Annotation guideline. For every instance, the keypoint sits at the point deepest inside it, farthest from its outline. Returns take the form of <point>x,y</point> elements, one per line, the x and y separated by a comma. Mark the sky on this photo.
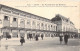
<point>48,8</point>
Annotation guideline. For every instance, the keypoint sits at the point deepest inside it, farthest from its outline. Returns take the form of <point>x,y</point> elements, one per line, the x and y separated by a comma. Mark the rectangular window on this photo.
<point>5,17</point>
<point>14,19</point>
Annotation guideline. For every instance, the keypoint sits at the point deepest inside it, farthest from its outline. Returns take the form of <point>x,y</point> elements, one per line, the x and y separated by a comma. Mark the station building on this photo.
<point>64,25</point>
<point>79,33</point>
<point>19,23</point>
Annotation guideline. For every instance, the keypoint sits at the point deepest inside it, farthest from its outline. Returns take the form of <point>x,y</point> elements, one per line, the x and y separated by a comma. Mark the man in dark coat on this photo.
<point>61,38</point>
<point>52,36</point>
<point>66,38</point>
<point>36,37</point>
<point>42,36</point>
<point>30,36</point>
<point>22,40</point>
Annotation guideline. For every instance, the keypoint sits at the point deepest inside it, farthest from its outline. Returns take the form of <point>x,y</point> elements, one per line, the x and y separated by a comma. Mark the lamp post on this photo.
<point>6,34</point>
<point>6,46</point>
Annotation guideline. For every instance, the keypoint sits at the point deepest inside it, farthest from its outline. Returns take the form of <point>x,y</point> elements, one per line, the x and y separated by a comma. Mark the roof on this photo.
<point>60,17</point>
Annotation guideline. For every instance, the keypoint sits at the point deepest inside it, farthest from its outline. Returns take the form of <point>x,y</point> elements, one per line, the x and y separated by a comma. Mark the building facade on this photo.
<point>18,23</point>
<point>64,25</point>
<point>79,33</point>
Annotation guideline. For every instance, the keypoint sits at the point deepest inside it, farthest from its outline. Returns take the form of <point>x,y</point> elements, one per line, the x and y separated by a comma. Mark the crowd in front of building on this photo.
<point>15,23</point>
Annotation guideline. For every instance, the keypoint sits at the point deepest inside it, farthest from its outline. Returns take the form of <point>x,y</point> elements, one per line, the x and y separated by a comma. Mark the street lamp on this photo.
<point>6,34</point>
<point>6,46</point>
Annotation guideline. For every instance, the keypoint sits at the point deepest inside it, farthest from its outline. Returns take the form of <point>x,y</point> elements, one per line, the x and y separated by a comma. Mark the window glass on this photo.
<point>14,19</point>
<point>5,17</point>
<point>51,25</point>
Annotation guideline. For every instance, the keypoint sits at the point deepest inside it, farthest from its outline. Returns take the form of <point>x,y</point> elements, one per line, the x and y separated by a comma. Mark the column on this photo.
<point>25,35</point>
<point>18,33</point>
<point>10,32</point>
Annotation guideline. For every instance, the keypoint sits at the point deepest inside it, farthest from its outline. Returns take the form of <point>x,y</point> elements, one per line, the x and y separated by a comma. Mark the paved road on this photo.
<point>48,44</point>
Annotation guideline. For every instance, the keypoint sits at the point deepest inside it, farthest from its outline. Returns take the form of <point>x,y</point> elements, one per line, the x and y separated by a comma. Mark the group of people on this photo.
<point>66,37</point>
<point>22,40</point>
<point>36,37</point>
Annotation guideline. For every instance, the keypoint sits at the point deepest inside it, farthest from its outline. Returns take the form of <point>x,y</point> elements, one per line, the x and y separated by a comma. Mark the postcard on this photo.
<point>39,25</point>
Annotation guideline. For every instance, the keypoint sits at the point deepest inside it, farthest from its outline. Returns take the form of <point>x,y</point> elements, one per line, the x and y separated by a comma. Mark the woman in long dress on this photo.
<point>22,40</point>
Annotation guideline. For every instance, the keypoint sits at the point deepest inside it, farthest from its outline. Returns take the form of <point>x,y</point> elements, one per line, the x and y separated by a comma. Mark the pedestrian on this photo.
<point>66,38</point>
<point>61,38</point>
<point>22,40</point>
<point>30,36</point>
<point>36,37</point>
<point>52,36</point>
<point>42,36</point>
<point>17,36</point>
<point>0,41</point>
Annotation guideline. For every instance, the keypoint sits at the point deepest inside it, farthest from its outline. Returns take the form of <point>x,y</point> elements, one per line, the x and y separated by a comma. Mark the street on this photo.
<point>48,44</point>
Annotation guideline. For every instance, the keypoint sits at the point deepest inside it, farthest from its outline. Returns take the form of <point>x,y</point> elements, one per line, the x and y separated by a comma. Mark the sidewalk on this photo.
<point>65,48</point>
<point>2,48</point>
<point>6,44</point>
<point>16,42</point>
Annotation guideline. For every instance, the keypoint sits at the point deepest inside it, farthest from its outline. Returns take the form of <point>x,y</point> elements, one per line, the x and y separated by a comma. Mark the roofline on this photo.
<point>23,11</point>
<point>61,16</point>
